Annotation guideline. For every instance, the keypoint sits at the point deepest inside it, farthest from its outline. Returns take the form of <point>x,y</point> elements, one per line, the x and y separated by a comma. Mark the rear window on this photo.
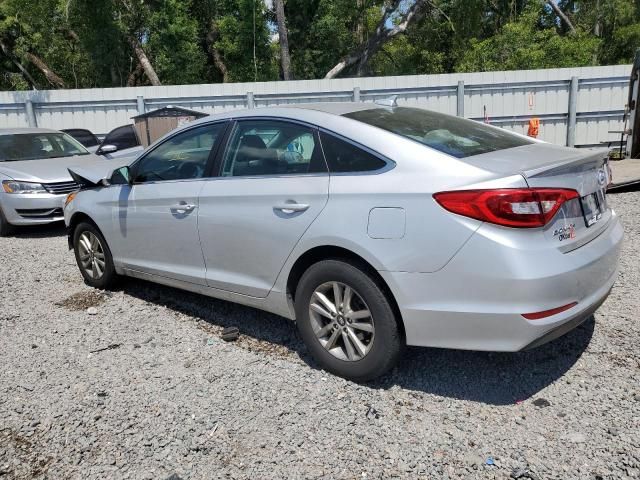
<point>85,137</point>
<point>122,137</point>
<point>454,136</point>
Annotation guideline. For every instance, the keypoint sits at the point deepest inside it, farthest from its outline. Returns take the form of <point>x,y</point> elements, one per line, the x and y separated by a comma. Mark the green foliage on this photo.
<point>321,32</point>
<point>89,43</point>
<point>173,38</point>
<point>246,51</point>
<point>525,44</point>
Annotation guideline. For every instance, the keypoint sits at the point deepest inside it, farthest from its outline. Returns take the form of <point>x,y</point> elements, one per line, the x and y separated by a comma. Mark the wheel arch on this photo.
<point>332,252</point>
<point>75,219</point>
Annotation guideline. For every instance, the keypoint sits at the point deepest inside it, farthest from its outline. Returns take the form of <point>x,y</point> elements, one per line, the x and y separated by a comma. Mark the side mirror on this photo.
<point>120,176</point>
<point>106,149</point>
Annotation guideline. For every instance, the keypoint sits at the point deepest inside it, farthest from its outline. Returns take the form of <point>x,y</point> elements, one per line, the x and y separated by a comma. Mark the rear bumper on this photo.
<point>476,302</point>
<point>34,209</point>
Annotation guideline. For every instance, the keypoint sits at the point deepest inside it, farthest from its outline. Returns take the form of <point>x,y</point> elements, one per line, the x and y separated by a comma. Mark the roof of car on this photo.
<point>335,108</point>
<point>319,113</point>
<point>18,131</point>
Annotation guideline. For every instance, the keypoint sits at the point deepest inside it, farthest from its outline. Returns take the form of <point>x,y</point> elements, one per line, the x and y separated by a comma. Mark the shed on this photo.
<point>152,125</point>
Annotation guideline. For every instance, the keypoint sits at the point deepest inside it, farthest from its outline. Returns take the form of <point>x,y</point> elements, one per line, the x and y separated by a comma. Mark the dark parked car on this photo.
<point>120,142</point>
<point>85,137</point>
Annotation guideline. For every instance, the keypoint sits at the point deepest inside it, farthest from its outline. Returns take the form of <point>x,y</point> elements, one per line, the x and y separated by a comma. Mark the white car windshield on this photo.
<point>38,146</point>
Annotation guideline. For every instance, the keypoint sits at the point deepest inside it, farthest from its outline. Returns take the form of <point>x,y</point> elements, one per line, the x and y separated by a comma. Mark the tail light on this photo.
<point>509,207</point>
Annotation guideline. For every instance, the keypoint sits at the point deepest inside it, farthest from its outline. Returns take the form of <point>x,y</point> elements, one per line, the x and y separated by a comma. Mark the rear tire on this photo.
<point>93,256</point>
<point>347,321</point>
<point>5,227</point>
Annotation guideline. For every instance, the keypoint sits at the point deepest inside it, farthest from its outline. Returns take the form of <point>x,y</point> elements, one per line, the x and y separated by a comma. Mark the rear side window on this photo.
<point>272,147</point>
<point>122,137</point>
<point>454,136</point>
<point>344,157</point>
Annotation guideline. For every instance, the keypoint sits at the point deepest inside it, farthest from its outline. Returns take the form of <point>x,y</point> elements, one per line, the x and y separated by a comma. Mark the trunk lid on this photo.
<point>549,166</point>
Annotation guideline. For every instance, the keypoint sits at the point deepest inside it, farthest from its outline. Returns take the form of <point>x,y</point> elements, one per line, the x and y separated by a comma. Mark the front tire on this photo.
<point>347,321</point>
<point>5,227</point>
<point>93,256</point>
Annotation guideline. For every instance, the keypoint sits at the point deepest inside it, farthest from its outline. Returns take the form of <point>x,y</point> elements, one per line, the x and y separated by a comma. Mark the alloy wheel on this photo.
<point>91,255</point>
<point>341,321</point>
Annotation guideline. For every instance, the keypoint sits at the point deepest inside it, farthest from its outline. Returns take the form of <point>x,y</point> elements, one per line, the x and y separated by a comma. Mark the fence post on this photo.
<point>31,114</point>
<point>356,94</point>
<point>140,103</point>
<point>251,103</point>
<point>573,104</point>
<point>460,97</point>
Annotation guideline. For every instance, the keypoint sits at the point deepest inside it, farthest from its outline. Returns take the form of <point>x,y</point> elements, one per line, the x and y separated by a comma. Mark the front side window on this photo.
<point>38,146</point>
<point>455,136</point>
<point>122,137</point>
<point>266,147</point>
<point>181,157</point>
<point>344,157</point>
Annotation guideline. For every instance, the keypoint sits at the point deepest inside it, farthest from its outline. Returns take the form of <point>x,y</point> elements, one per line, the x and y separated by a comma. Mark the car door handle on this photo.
<point>291,207</point>
<point>183,207</point>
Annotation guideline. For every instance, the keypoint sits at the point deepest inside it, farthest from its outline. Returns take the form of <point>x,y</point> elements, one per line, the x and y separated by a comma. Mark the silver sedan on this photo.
<point>34,180</point>
<point>372,226</point>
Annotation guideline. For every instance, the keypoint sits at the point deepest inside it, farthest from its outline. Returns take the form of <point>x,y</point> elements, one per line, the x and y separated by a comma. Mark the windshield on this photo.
<point>38,146</point>
<point>452,135</point>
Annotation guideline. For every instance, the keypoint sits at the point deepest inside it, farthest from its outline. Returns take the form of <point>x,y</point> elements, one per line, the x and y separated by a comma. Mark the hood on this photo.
<point>88,176</point>
<point>51,170</point>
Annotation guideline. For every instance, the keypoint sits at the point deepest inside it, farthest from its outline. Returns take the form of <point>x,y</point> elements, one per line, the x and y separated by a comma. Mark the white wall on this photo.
<point>511,99</point>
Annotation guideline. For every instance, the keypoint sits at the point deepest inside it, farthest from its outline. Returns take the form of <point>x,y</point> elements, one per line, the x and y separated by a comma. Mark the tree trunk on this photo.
<point>145,63</point>
<point>25,73</point>
<point>218,61</point>
<point>382,35</point>
<point>53,78</point>
<point>115,80</point>
<point>597,32</point>
<point>554,6</point>
<point>283,39</point>
<point>135,73</point>
<point>360,22</point>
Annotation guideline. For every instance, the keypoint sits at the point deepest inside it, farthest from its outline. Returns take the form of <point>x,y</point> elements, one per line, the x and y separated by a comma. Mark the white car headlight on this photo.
<point>12,186</point>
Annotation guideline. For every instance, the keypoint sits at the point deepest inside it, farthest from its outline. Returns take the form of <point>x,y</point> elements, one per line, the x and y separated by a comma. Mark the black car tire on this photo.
<point>109,276</point>
<point>5,227</point>
<point>388,341</point>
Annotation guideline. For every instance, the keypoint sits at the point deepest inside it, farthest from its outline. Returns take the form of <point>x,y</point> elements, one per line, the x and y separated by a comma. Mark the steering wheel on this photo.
<point>190,170</point>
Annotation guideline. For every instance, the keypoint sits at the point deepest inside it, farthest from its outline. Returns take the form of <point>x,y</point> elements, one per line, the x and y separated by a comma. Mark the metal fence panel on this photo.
<point>508,99</point>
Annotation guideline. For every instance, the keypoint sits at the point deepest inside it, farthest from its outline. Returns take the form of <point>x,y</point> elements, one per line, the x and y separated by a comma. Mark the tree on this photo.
<point>88,43</point>
<point>383,33</point>
<point>236,38</point>
<point>26,34</point>
<point>283,40</point>
<point>528,44</point>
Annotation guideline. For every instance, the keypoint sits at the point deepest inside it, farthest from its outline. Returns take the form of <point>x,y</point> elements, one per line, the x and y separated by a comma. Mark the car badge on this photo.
<point>602,177</point>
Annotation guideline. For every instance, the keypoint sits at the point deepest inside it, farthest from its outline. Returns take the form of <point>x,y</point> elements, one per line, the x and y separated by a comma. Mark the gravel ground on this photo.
<point>136,383</point>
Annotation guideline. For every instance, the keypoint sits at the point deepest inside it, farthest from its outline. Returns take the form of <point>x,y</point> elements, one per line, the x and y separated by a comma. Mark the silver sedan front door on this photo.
<point>156,218</point>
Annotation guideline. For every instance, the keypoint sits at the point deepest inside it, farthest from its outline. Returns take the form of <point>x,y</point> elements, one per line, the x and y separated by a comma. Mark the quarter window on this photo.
<point>343,157</point>
<point>265,147</point>
<point>181,157</point>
